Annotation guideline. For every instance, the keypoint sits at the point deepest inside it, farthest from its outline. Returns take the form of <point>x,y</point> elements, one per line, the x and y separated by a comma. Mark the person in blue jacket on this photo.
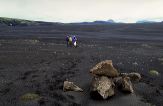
<point>67,40</point>
<point>74,40</point>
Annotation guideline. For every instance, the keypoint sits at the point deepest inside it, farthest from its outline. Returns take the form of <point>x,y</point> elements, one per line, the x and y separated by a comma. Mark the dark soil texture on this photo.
<point>35,59</point>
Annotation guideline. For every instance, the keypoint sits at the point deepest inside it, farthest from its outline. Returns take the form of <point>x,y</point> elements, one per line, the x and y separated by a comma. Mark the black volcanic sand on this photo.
<point>41,64</point>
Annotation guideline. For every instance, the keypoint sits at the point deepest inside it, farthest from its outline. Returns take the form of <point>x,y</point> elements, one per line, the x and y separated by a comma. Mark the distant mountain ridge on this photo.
<point>21,22</point>
<point>14,22</point>
<point>109,21</point>
<point>97,22</point>
<point>146,21</point>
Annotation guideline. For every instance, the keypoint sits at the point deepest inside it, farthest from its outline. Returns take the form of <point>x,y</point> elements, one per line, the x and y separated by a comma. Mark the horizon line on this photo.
<point>115,21</point>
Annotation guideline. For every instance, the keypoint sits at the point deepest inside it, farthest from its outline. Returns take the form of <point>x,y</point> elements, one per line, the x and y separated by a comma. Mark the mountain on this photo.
<point>146,21</point>
<point>21,22</point>
<point>104,22</point>
<point>111,21</point>
<point>15,22</point>
<point>96,22</point>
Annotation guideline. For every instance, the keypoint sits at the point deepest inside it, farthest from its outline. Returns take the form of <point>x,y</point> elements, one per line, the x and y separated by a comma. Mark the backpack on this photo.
<point>70,39</point>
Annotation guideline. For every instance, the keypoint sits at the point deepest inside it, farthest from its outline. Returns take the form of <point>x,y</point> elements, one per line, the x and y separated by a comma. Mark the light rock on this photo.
<point>127,85</point>
<point>70,86</point>
<point>104,68</point>
<point>103,86</point>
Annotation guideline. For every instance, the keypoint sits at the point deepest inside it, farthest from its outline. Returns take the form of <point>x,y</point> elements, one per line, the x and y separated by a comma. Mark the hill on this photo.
<point>15,22</point>
<point>146,21</point>
<point>97,22</point>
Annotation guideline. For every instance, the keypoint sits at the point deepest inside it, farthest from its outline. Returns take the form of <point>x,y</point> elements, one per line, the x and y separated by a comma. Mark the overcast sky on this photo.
<point>82,10</point>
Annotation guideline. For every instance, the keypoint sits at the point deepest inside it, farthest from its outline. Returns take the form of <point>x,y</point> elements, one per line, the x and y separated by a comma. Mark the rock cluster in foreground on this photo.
<point>106,79</point>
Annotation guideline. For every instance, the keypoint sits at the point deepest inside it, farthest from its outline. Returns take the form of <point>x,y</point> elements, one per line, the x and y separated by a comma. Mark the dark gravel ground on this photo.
<point>40,64</point>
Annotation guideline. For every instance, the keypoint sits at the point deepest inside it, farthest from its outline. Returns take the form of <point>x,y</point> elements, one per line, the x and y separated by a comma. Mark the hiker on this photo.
<point>67,40</point>
<point>74,41</point>
<point>70,41</point>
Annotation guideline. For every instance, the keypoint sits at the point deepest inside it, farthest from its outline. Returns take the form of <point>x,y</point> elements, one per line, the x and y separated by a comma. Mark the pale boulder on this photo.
<point>103,85</point>
<point>104,68</point>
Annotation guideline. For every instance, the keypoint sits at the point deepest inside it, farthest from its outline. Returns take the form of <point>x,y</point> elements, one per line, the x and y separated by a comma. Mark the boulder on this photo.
<point>70,86</point>
<point>127,85</point>
<point>103,86</point>
<point>133,76</point>
<point>104,68</point>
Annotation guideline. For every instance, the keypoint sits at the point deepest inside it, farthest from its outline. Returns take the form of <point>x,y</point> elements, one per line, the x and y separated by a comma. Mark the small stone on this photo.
<point>70,86</point>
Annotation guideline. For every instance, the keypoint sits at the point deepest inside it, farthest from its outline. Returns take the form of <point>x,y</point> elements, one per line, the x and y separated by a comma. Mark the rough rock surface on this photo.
<point>70,86</point>
<point>103,85</point>
<point>127,85</point>
<point>133,76</point>
<point>118,81</point>
<point>105,68</point>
